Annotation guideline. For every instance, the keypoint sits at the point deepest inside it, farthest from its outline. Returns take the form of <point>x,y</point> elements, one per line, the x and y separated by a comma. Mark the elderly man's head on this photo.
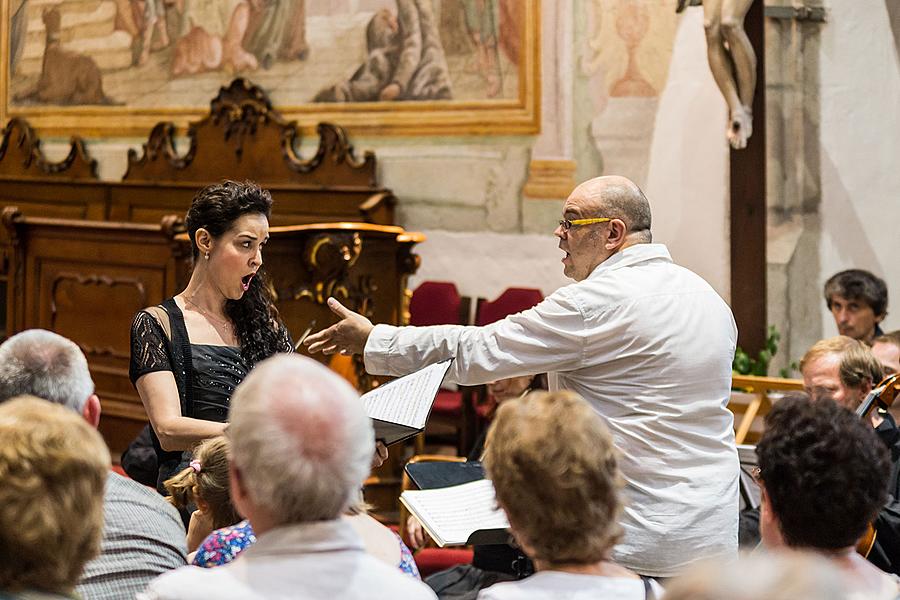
<point>53,467</point>
<point>47,365</point>
<point>858,302</point>
<point>301,443</point>
<point>840,368</point>
<point>601,216</point>
<point>553,465</point>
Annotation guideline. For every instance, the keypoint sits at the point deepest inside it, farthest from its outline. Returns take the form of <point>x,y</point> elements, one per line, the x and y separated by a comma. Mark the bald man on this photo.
<point>648,343</point>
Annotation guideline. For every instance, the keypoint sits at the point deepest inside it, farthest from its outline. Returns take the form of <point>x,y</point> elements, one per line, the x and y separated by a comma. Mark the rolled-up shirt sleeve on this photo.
<point>548,337</point>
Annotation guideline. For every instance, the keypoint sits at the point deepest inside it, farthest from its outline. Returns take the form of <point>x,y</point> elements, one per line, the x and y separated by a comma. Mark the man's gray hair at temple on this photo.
<point>47,365</point>
<point>301,441</point>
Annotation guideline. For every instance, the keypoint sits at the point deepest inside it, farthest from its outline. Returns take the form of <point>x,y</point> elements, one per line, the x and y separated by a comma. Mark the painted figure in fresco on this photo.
<point>216,30</point>
<point>481,24</point>
<point>732,62</point>
<point>66,77</point>
<point>154,19</point>
<point>18,28</point>
<point>405,59</point>
<point>277,31</point>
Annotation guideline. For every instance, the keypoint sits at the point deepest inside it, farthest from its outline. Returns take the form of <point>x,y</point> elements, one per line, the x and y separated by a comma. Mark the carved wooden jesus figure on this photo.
<point>731,60</point>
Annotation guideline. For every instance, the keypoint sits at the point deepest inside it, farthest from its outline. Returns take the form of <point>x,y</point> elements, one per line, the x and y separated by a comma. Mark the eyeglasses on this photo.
<point>567,224</point>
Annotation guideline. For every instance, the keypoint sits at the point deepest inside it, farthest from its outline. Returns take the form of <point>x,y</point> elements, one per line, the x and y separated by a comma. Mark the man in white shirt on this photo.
<point>301,446</point>
<point>648,343</point>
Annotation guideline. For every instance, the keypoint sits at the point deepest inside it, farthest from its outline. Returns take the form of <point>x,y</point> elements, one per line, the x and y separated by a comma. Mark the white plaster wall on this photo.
<point>860,148</point>
<point>501,261</point>
<point>687,174</point>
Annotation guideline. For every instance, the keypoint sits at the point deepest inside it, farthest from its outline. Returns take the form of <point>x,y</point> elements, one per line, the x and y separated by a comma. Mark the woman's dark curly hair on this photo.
<point>825,472</point>
<point>256,321</point>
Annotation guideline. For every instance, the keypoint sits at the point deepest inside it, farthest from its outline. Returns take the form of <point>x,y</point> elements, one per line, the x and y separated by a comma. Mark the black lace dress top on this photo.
<point>206,375</point>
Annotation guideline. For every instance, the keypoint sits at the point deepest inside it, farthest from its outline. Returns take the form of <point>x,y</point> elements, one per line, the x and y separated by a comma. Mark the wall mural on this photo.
<point>404,66</point>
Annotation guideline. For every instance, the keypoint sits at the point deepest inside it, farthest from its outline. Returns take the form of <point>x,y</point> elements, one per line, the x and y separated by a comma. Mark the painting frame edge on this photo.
<point>520,116</point>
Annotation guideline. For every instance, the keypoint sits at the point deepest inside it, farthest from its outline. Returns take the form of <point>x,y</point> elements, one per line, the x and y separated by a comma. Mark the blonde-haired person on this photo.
<point>554,467</point>
<point>761,576</point>
<point>204,484</point>
<point>53,467</point>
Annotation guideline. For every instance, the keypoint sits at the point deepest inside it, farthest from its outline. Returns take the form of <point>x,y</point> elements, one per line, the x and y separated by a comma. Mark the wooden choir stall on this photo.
<point>81,256</point>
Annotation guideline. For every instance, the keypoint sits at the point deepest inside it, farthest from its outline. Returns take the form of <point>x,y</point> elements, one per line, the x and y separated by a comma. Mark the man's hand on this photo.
<point>381,454</point>
<point>347,336</point>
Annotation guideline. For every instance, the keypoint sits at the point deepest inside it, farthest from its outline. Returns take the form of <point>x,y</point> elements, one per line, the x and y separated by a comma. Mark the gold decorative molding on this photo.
<point>550,179</point>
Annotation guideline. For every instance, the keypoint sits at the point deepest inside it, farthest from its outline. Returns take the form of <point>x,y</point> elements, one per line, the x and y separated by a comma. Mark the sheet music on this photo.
<point>452,514</point>
<point>407,400</point>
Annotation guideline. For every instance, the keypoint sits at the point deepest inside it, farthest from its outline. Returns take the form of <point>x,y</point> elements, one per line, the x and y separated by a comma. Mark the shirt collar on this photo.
<point>305,538</point>
<point>631,256</point>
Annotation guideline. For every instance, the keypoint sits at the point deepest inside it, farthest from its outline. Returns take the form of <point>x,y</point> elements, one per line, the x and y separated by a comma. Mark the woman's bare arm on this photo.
<point>159,393</point>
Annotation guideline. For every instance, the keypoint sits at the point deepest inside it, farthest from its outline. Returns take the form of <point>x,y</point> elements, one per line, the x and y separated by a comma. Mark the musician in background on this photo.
<point>858,302</point>
<point>845,370</point>
<point>822,476</point>
<point>886,349</point>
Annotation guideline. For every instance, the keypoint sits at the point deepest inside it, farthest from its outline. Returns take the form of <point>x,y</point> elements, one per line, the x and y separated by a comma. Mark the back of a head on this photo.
<point>206,481</point>
<point>47,365</point>
<point>617,197</point>
<point>818,458</point>
<point>553,465</point>
<point>858,284</point>
<point>300,439</point>
<point>857,363</point>
<point>53,467</point>
<point>761,576</point>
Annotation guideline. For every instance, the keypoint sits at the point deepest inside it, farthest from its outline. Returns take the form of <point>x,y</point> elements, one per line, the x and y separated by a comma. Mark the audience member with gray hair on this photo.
<point>142,534</point>
<point>301,448</point>
<point>49,366</point>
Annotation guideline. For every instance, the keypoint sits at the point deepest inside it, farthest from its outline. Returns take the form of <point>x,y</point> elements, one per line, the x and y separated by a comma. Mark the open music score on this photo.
<point>464,514</point>
<point>399,409</point>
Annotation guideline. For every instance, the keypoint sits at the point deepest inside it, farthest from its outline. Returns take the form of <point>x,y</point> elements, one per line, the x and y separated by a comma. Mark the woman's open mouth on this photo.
<point>246,279</point>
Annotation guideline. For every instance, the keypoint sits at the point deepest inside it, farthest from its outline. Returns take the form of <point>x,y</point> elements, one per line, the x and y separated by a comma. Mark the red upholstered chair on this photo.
<point>510,302</point>
<point>439,303</point>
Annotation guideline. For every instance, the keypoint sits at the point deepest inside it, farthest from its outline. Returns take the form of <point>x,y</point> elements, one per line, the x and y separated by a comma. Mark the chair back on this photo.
<point>751,400</point>
<point>438,303</point>
<point>510,302</point>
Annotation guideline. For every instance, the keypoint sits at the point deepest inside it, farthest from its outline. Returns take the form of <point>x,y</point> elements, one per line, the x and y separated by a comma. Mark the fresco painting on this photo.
<point>173,55</point>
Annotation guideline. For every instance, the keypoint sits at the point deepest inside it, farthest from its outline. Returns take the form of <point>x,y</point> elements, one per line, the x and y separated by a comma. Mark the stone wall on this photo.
<point>834,138</point>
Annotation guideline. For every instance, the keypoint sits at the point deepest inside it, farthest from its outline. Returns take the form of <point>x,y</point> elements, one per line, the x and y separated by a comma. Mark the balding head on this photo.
<point>621,216</point>
<point>620,198</point>
<point>301,440</point>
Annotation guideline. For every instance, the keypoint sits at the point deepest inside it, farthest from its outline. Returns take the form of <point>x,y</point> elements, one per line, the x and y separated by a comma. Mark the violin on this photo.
<point>882,396</point>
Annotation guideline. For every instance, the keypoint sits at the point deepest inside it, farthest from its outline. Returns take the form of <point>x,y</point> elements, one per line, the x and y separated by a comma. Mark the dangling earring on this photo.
<point>207,256</point>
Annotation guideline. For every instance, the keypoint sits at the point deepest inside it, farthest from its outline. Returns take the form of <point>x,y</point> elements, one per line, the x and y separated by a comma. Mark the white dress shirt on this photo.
<point>324,560</point>
<point>649,344</point>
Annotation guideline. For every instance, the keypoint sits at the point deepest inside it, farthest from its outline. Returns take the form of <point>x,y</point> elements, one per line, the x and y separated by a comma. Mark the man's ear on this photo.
<point>91,411</point>
<point>616,237</point>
